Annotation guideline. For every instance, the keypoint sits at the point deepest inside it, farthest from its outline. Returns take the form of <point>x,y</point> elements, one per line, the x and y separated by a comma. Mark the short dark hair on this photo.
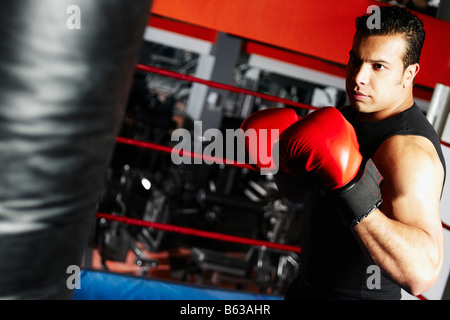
<point>397,20</point>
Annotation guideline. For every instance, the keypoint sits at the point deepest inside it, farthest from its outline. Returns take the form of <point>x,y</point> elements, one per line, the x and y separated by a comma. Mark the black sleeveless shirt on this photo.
<point>332,262</point>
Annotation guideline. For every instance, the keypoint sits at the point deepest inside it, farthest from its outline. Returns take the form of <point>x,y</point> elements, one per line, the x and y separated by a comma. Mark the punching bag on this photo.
<point>66,68</point>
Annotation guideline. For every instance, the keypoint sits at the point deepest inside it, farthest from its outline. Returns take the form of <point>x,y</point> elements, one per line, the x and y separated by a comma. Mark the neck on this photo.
<point>387,112</point>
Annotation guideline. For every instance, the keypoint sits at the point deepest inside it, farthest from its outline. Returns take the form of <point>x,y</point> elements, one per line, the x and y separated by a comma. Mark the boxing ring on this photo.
<point>63,89</point>
<point>125,287</point>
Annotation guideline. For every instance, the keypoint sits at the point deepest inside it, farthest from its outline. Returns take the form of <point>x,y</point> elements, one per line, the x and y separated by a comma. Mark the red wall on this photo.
<point>322,29</point>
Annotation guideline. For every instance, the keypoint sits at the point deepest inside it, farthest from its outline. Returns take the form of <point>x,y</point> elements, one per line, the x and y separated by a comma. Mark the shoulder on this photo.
<point>413,148</point>
<point>410,161</point>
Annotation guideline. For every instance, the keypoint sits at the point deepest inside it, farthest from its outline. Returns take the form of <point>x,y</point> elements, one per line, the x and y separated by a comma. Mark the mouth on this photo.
<point>357,95</point>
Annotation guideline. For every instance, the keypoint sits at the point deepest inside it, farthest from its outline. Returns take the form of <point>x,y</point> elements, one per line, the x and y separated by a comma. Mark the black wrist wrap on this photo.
<point>360,197</point>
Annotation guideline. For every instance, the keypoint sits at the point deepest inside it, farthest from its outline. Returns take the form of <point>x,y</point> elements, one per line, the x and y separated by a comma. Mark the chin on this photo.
<point>357,106</point>
<point>362,107</point>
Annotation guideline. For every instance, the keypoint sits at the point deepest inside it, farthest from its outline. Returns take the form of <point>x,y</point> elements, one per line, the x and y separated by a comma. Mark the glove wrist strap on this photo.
<point>360,197</point>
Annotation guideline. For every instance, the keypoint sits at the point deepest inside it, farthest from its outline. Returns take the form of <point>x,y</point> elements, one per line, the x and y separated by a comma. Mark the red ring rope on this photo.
<point>445,143</point>
<point>445,226</point>
<point>197,233</point>
<point>154,146</point>
<point>219,85</point>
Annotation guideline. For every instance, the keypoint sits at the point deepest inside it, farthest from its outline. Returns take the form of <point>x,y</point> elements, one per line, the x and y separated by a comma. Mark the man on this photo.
<point>371,217</point>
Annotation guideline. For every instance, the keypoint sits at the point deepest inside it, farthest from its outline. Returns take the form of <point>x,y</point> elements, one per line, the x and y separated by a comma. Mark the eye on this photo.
<point>378,66</point>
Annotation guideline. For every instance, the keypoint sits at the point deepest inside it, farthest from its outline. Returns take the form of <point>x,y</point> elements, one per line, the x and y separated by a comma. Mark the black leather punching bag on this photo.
<point>63,87</point>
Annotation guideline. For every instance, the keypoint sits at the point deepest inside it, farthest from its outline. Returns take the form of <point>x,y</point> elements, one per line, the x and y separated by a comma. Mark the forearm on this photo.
<point>407,254</point>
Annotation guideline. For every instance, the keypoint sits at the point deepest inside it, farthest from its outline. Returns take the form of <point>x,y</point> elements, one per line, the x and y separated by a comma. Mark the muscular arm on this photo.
<point>404,236</point>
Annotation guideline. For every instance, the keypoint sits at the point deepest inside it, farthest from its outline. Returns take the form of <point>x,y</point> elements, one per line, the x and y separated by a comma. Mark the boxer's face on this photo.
<point>377,83</point>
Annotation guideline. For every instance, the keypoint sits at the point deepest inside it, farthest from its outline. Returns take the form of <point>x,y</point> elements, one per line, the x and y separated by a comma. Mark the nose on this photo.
<point>361,74</point>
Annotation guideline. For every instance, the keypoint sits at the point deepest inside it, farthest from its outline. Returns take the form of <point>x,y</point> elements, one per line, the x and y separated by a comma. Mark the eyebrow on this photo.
<point>370,60</point>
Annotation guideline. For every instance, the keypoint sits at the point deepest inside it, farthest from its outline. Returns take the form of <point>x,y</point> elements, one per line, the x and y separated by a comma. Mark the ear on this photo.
<point>409,74</point>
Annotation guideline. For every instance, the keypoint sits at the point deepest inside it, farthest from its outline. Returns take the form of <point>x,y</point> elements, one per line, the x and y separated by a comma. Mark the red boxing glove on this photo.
<point>261,131</point>
<point>325,145</point>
